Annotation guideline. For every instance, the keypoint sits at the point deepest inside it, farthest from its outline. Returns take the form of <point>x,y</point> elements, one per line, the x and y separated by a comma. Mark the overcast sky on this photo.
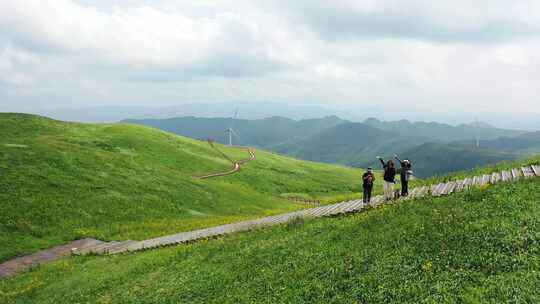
<point>422,56</point>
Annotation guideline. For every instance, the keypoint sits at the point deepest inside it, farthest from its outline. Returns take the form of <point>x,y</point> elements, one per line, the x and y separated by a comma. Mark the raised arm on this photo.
<point>381,160</point>
<point>399,160</point>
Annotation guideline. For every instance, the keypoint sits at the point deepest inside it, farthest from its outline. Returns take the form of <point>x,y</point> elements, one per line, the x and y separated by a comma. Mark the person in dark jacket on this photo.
<point>389,178</point>
<point>368,180</point>
<point>405,174</point>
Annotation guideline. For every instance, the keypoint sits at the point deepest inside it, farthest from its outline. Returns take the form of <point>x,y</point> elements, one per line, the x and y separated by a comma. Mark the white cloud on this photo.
<point>420,55</point>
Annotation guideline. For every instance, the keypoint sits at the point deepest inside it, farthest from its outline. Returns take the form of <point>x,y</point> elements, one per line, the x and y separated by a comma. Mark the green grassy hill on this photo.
<point>62,181</point>
<point>478,246</point>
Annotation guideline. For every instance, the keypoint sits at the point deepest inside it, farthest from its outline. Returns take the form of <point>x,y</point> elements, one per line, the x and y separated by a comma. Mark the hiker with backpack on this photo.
<point>389,178</point>
<point>368,181</point>
<point>405,174</point>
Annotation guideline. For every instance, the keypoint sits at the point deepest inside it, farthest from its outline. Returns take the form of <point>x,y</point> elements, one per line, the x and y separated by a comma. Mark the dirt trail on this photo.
<point>236,164</point>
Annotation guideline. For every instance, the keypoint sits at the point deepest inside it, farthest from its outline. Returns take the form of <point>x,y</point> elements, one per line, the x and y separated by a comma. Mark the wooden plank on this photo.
<point>451,188</point>
<point>441,188</point>
<point>333,209</point>
<point>349,207</point>
<point>121,247</point>
<point>134,247</point>
<point>94,249</point>
<point>435,191</point>
<point>467,183</point>
<point>319,211</point>
<point>459,185</point>
<point>536,170</point>
<point>527,172</point>
<point>432,189</point>
<point>81,250</point>
<point>312,211</point>
<point>103,248</point>
<point>357,206</point>
<point>340,208</point>
<point>516,173</point>
<point>444,189</point>
<point>506,176</point>
<point>495,177</point>
<point>479,180</point>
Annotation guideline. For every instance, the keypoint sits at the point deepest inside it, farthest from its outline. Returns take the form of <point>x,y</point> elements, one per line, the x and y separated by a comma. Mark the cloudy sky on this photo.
<point>418,56</point>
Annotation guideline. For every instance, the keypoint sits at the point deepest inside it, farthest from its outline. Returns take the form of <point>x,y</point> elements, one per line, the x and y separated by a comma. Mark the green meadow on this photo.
<point>63,181</point>
<point>479,246</point>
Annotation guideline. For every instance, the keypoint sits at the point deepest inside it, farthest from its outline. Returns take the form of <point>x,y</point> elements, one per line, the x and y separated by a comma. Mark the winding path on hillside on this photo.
<point>90,246</point>
<point>236,163</point>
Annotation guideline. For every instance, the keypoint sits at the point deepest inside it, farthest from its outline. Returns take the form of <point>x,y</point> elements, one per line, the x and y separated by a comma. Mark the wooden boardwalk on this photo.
<point>328,210</point>
<point>90,246</point>
<point>17,264</point>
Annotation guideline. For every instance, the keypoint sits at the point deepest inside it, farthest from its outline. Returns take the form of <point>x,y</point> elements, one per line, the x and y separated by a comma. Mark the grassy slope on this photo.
<point>62,181</point>
<point>478,246</point>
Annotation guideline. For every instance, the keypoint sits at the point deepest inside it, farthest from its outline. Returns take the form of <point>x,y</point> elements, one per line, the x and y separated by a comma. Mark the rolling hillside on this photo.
<point>265,133</point>
<point>349,144</point>
<point>441,132</point>
<point>63,181</point>
<point>477,246</point>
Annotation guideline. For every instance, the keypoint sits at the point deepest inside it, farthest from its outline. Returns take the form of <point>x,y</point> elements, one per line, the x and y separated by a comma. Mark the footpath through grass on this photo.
<point>478,246</point>
<point>63,181</point>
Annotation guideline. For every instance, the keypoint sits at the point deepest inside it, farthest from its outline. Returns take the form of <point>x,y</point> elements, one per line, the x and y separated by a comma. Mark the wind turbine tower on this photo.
<point>476,133</point>
<point>230,129</point>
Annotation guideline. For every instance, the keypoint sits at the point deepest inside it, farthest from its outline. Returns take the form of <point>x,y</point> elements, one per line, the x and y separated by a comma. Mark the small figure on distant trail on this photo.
<point>389,178</point>
<point>405,173</point>
<point>368,180</point>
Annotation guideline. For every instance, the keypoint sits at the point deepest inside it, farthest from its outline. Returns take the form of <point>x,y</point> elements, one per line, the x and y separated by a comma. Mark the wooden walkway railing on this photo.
<point>328,210</point>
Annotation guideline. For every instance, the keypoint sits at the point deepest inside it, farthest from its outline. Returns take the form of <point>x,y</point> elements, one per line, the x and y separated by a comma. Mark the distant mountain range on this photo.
<point>442,132</point>
<point>435,148</point>
<point>268,133</point>
<point>259,110</point>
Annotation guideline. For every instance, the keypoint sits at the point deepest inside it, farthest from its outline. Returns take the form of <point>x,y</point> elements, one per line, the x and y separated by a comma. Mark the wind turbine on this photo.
<point>230,129</point>
<point>476,138</point>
